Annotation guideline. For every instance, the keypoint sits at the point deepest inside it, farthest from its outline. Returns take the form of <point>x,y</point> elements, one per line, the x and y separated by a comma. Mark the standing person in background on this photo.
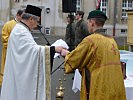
<point>70,32</point>
<point>98,59</point>
<point>6,30</point>
<point>27,67</point>
<point>81,30</point>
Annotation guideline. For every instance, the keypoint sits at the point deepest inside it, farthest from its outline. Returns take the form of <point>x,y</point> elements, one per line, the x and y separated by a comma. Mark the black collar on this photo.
<point>102,32</point>
<point>25,25</point>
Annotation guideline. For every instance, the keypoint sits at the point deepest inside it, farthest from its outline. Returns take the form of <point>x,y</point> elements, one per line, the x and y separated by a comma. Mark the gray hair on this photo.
<point>20,12</point>
<point>26,16</point>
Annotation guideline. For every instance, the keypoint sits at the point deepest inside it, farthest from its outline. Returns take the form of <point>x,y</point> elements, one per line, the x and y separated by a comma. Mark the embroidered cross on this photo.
<point>114,49</point>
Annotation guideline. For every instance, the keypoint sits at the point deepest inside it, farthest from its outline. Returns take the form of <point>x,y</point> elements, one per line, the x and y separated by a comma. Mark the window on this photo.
<point>105,31</point>
<point>126,5</point>
<point>103,6</point>
<point>123,31</point>
<point>16,0</point>
<point>78,6</point>
<point>47,31</point>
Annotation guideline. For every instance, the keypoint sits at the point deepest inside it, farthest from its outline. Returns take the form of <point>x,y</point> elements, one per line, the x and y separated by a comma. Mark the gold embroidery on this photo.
<point>47,72</point>
<point>38,71</point>
<point>114,49</point>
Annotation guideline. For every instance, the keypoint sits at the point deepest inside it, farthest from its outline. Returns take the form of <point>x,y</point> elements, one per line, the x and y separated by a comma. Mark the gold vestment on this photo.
<point>101,56</point>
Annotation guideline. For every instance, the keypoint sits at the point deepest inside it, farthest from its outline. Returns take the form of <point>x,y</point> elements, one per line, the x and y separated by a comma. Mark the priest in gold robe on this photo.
<point>98,59</point>
<point>6,30</point>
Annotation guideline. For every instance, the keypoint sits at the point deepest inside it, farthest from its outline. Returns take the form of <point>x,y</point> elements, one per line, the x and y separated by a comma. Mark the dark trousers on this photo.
<point>0,90</point>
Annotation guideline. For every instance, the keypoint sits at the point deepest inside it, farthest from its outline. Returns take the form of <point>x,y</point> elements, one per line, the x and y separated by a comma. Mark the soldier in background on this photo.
<point>81,30</point>
<point>70,32</point>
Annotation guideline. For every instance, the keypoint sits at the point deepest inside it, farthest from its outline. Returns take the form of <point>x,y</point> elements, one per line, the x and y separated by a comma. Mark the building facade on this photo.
<point>54,21</point>
<point>4,12</point>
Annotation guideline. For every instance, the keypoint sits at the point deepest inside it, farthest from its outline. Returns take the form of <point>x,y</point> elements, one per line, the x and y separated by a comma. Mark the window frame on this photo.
<point>126,5</point>
<point>104,5</point>
<point>78,5</point>
<point>124,31</point>
<point>17,0</point>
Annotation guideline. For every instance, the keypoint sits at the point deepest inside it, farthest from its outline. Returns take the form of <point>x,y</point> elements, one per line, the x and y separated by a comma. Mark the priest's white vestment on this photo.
<point>27,68</point>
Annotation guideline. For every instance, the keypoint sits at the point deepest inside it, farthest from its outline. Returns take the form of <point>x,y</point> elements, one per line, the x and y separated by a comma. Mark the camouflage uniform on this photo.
<point>81,31</point>
<point>70,35</point>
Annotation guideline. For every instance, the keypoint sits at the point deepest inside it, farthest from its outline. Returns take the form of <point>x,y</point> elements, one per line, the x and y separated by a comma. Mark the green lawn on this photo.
<point>123,47</point>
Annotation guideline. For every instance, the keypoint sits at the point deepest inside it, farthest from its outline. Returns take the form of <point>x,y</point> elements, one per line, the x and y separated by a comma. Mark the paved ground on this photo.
<point>67,80</point>
<point>59,74</point>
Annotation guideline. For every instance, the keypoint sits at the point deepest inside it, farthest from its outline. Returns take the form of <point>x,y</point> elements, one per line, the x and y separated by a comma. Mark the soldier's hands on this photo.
<point>61,50</point>
<point>64,52</point>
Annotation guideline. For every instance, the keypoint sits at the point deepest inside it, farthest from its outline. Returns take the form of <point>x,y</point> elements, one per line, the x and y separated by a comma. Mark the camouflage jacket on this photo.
<point>70,35</point>
<point>81,31</point>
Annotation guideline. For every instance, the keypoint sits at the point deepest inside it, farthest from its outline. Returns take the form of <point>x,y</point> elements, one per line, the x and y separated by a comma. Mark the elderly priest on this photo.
<point>27,66</point>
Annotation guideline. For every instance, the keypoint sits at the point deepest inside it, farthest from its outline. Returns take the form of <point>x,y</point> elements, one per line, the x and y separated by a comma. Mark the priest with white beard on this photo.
<point>27,66</point>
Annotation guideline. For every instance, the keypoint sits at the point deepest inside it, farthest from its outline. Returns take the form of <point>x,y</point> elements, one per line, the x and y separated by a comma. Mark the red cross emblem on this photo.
<point>114,49</point>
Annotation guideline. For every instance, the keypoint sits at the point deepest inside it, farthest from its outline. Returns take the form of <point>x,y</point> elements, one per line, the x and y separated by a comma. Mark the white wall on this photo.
<point>4,11</point>
<point>54,19</point>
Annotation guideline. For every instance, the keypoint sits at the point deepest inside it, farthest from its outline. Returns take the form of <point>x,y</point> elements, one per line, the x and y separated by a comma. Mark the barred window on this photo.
<point>78,6</point>
<point>47,31</point>
<point>123,31</point>
<point>105,31</point>
<point>17,0</point>
<point>126,5</point>
<point>103,6</point>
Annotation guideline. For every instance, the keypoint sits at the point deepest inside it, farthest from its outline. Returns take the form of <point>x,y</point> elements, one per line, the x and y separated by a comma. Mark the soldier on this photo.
<point>81,28</point>
<point>70,32</point>
<point>98,59</point>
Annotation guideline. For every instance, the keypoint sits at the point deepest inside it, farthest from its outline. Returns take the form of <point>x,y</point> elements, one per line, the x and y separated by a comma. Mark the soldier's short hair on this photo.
<point>80,13</point>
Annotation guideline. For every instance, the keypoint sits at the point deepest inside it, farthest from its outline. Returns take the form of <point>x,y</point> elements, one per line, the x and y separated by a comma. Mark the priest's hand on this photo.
<point>64,52</point>
<point>58,49</point>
